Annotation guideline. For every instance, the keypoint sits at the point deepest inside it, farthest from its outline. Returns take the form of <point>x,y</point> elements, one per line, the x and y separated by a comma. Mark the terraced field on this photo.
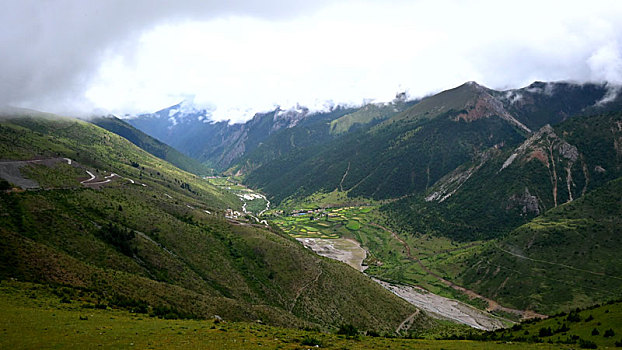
<point>351,235</point>
<point>324,223</point>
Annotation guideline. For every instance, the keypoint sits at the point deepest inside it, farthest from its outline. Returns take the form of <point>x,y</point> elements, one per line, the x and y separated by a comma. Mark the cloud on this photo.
<point>606,63</point>
<point>241,57</point>
<point>51,49</point>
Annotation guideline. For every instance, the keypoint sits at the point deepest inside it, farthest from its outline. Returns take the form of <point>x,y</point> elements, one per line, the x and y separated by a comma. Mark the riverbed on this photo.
<point>350,252</point>
<point>345,250</point>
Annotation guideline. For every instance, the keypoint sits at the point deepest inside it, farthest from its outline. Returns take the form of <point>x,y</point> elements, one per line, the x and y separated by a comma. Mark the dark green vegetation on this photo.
<point>589,328</point>
<point>221,144</point>
<point>152,238</point>
<point>151,145</point>
<point>568,257</point>
<point>503,189</point>
<point>473,164</point>
<point>408,153</point>
<point>385,163</point>
<point>36,316</point>
<point>265,137</point>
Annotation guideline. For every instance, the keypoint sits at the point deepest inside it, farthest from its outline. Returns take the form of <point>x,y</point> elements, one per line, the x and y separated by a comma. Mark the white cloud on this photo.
<point>606,63</point>
<point>241,60</point>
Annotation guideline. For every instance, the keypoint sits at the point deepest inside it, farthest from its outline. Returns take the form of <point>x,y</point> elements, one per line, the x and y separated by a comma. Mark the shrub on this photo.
<point>373,334</point>
<point>310,341</point>
<point>5,185</point>
<point>348,330</point>
<point>587,344</point>
<point>573,317</point>
<point>545,332</point>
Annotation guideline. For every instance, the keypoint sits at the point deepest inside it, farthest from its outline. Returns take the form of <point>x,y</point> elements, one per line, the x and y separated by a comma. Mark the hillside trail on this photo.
<point>407,323</point>
<point>492,305</point>
<point>304,287</point>
<point>344,177</point>
<point>556,264</point>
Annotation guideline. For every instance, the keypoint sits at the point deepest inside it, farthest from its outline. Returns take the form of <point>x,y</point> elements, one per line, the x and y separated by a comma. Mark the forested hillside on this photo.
<point>104,222</point>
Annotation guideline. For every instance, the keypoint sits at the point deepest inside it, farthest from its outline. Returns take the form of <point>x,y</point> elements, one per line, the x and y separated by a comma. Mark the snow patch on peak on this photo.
<point>290,117</point>
<point>173,111</point>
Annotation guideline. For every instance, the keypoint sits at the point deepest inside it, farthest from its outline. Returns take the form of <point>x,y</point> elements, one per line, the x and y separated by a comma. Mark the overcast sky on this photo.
<point>236,58</point>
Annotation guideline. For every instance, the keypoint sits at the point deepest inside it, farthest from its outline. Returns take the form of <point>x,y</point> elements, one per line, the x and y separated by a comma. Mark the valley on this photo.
<point>477,217</point>
<point>311,175</point>
<point>336,233</point>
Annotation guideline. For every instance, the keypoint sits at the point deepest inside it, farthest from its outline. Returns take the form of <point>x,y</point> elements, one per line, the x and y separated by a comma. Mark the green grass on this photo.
<point>366,115</point>
<point>152,145</point>
<point>156,245</point>
<point>353,225</point>
<point>387,258</point>
<point>567,258</point>
<point>33,316</point>
<point>571,327</point>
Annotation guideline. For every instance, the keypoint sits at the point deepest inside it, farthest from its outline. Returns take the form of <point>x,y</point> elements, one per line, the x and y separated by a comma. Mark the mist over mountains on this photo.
<point>243,174</point>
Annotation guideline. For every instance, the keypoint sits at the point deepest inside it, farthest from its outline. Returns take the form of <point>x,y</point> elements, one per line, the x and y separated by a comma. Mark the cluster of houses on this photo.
<point>303,212</point>
<point>316,214</point>
<point>232,214</point>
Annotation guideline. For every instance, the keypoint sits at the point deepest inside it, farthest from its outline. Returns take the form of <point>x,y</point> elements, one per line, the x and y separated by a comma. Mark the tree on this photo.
<point>348,330</point>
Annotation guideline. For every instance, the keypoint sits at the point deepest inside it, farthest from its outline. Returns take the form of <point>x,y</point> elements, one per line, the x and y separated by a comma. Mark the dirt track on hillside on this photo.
<point>492,305</point>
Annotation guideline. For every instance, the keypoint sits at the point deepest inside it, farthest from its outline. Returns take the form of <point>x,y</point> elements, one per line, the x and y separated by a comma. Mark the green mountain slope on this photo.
<point>589,328</point>
<point>407,153</point>
<point>370,113</point>
<point>119,227</point>
<point>400,156</point>
<point>566,258</point>
<point>35,316</point>
<point>503,189</point>
<point>310,132</point>
<point>151,145</point>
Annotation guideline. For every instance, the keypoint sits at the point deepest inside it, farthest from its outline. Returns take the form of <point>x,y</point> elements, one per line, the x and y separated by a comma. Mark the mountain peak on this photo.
<point>473,85</point>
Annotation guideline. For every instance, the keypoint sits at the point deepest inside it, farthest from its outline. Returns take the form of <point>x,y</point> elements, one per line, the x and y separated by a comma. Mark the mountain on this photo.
<point>409,152</point>
<point>267,136</point>
<point>216,144</point>
<point>507,187</point>
<point>151,145</point>
<point>106,224</point>
<point>543,103</point>
<point>566,258</point>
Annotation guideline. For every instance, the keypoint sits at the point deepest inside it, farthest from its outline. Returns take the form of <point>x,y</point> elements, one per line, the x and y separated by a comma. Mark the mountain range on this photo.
<point>469,164</point>
<point>106,224</point>
<point>521,188</point>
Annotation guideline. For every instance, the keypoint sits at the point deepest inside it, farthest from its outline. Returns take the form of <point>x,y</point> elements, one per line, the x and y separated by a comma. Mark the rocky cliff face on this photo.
<point>219,144</point>
<point>559,158</point>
